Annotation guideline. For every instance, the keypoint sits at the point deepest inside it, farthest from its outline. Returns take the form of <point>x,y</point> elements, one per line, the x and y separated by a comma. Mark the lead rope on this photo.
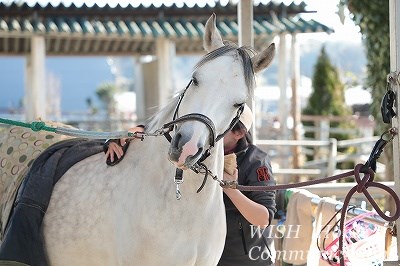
<point>41,126</point>
<point>362,186</point>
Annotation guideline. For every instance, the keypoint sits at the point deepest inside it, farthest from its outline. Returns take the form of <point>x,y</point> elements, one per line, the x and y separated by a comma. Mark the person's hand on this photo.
<point>131,130</point>
<point>116,150</point>
<point>229,177</point>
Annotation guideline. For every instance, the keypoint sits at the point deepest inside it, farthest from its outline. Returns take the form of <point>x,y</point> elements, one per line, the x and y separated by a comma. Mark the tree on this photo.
<point>327,97</point>
<point>92,109</point>
<point>373,19</point>
<point>105,93</point>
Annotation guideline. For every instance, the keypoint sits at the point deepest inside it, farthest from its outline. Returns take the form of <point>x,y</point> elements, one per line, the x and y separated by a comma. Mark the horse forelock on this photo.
<point>244,54</point>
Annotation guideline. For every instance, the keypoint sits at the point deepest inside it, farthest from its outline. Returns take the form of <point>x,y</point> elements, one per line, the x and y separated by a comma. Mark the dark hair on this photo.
<point>240,127</point>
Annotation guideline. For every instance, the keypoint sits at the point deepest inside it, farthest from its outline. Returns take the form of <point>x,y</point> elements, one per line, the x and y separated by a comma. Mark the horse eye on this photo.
<point>195,81</point>
<point>237,105</point>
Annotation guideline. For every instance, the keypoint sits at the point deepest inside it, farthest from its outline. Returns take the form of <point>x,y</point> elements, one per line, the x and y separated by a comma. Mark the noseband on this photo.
<point>199,167</point>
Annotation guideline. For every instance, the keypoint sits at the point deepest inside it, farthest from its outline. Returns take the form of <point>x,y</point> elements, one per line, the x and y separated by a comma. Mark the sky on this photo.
<point>327,13</point>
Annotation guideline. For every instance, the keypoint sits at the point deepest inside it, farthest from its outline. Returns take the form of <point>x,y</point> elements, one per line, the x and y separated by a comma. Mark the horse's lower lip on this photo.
<point>191,160</point>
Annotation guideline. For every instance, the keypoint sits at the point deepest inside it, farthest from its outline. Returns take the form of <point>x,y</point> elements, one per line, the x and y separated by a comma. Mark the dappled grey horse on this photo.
<point>128,214</point>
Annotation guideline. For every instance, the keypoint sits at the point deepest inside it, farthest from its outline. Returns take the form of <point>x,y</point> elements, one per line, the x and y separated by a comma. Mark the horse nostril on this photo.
<point>176,140</point>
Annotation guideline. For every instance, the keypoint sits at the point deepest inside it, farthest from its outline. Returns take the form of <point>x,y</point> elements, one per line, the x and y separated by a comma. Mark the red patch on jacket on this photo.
<point>262,173</point>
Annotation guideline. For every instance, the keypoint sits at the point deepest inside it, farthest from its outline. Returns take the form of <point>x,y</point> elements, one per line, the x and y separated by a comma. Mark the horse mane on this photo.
<point>157,120</point>
<point>164,115</point>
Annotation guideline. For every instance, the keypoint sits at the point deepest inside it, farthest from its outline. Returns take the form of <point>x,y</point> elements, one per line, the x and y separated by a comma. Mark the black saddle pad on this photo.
<point>50,165</point>
<point>23,240</point>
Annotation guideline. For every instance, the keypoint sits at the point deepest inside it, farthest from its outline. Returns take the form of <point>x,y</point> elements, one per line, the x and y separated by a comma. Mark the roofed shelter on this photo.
<point>164,32</point>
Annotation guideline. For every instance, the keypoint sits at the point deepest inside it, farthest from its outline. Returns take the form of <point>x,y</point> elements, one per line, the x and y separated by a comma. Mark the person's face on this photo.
<point>231,138</point>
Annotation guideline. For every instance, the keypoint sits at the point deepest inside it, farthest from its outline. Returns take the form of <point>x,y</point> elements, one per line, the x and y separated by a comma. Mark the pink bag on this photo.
<point>361,243</point>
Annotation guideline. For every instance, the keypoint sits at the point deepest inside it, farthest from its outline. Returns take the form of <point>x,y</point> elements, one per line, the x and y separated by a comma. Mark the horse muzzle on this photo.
<point>185,150</point>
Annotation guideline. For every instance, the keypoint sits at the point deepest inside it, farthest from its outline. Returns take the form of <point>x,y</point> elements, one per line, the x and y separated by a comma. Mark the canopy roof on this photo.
<point>106,30</point>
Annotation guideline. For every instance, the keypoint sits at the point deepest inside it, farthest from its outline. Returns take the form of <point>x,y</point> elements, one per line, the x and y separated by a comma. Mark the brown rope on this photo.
<point>362,187</point>
<point>296,185</point>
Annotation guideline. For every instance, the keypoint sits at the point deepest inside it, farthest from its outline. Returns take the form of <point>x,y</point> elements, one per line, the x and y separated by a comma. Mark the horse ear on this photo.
<point>212,38</point>
<point>263,59</point>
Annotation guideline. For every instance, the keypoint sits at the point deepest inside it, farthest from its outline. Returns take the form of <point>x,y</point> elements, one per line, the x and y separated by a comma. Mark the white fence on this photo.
<point>327,164</point>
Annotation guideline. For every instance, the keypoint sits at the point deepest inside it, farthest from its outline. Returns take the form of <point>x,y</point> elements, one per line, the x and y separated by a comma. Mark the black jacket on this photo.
<point>243,245</point>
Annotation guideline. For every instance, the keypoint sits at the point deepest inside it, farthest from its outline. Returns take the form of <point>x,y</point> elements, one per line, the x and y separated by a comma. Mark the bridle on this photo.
<point>201,118</point>
<point>198,167</point>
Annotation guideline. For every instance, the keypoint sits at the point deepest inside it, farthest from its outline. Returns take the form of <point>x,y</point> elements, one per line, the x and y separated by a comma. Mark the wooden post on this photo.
<point>296,109</point>
<point>35,86</point>
<point>394,26</point>
<point>283,106</point>
<point>245,22</point>
<point>150,96</point>
<point>165,51</point>
<point>140,93</point>
<point>332,157</point>
<point>246,38</point>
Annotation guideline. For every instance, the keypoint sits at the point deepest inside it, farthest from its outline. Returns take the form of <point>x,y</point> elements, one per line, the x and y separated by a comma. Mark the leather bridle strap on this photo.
<point>233,122</point>
<point>198,117</point>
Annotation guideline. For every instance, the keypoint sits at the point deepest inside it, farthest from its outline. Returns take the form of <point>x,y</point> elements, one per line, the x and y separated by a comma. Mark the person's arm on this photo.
<point>254,212</point>
<point>115,149</point>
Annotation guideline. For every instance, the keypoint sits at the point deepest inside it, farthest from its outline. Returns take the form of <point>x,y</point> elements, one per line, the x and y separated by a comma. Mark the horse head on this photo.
<point>219,88</point>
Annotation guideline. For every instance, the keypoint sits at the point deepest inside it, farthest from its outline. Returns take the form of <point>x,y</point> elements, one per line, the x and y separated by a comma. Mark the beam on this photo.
<point>6,44</point>
<point>17,44</point>
<point>86,45</point>
<point>125,46</point>
<point>67,46</point>
<point>96,45</point>
<point>27,46</point>
<point>77,46</point>
<point>106,46</point>
<point>57,45</point>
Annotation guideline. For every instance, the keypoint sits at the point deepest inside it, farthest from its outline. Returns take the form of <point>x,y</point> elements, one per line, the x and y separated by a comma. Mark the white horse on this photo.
<point>128,214</point>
